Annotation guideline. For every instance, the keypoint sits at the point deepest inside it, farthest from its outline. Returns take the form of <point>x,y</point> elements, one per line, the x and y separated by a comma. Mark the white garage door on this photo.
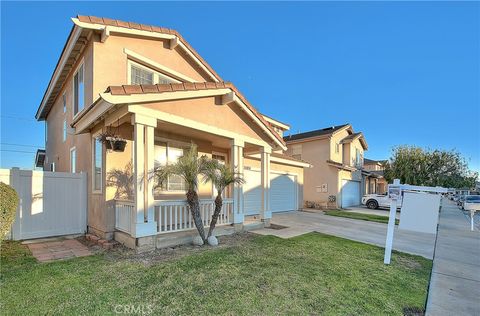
<point>350,193</point>
<point>283,192</point>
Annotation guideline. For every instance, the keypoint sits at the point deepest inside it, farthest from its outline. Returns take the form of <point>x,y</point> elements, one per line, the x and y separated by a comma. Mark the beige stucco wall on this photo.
<point>208,111</point>
<point>317,152</point>
<point>111,60</point>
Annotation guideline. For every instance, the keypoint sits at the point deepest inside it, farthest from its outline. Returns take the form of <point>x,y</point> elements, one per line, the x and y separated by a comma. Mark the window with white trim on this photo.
<point>64,100</point>
<point>73,159</point>
<point>64,130</point>
<point>140,74</point>
<point>168,153</point>
<point>97,164</point>
<point>78,91</point>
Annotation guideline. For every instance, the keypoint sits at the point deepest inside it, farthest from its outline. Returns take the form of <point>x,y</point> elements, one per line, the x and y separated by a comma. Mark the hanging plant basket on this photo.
<point>112,141</point>
<point>116,143</point>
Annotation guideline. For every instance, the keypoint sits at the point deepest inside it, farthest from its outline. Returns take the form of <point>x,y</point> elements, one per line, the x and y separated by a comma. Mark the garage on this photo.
<point>283,192</point>
<point>350,193</point>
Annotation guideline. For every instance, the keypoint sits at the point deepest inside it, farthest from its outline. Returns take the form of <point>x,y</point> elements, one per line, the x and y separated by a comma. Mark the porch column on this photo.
<point>265,214</point>
<point>143,161</point>
<point>237,165</point>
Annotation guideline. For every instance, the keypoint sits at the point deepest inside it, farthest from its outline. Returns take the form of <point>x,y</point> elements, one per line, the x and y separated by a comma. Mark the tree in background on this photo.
<point>418,166</point>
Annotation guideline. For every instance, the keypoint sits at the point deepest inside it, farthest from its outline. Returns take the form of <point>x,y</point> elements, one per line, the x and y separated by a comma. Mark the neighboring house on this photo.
<point>376,182</point>
<point>336,154</point>
<point>149,86</point>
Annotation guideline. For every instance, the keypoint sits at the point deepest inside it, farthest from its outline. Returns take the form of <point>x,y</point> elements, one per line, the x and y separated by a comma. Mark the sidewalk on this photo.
<point>455,282</point>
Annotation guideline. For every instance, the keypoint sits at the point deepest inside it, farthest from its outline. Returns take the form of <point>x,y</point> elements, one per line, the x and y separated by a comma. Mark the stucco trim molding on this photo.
<point>156,66</point>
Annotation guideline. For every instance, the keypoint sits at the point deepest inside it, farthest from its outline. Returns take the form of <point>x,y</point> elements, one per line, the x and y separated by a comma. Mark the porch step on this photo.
<point>253,226</point>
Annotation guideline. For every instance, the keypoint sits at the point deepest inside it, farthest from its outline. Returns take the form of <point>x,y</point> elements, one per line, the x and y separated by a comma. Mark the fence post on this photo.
<point>84,205</point>
<point>16,231</point>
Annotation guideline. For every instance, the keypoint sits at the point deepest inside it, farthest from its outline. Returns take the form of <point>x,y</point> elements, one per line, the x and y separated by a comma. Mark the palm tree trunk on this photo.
<point>193,203</point>
<point>216,213</point>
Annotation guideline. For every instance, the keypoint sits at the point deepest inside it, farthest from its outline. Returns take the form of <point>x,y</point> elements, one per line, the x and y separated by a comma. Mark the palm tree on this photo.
<point>189,167</point>
<point>221,175</point>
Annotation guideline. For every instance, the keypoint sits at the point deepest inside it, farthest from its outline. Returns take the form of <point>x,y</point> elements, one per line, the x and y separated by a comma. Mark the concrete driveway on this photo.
<point>299,223</point>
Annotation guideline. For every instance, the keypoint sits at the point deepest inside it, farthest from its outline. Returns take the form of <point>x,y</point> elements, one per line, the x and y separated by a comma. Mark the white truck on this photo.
<point>373,201</point>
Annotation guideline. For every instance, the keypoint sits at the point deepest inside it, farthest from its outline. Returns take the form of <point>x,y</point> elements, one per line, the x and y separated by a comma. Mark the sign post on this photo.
<point>394,194</point>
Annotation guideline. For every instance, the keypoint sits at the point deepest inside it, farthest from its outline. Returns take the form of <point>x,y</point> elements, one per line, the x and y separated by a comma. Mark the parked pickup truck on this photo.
<point>374,201</point>
<point>472,203</point>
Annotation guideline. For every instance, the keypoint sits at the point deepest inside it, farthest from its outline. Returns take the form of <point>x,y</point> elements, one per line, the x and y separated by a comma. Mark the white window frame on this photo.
<point>94,143</point>
<point>175,144</point>
<point>64,135</point>
<point>73,89</point>
<point>73,167</point>
<point>156,75</point>
<point>64,100</point>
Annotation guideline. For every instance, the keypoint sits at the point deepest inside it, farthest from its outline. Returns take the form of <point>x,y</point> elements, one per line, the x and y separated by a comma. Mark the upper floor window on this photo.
<point>141,76</point>
<point>64,100</point>
<point>78,91</point>
<point>358,157</point>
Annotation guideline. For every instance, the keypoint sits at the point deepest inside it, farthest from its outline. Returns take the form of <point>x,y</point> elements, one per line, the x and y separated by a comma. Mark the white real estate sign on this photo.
<point>420,212</point>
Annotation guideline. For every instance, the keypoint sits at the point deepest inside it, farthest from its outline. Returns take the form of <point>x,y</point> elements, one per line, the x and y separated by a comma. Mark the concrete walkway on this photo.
<point>455,282</point>
<point>299,223</point>
<point>365,210</point>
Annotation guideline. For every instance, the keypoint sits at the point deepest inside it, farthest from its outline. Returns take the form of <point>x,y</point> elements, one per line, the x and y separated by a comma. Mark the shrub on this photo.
<point>8,207</point>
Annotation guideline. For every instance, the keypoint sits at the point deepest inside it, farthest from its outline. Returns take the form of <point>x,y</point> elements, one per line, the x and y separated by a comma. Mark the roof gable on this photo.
<point>319,132</point>
<point>161,92</point>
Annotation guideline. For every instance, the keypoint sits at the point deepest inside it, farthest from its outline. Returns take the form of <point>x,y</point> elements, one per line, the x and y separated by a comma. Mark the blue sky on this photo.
<point>401,72</point>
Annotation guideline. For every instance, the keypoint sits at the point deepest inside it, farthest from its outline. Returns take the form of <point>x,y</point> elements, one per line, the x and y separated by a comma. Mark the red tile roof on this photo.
<point>150,28</point>
<point>188,86</point>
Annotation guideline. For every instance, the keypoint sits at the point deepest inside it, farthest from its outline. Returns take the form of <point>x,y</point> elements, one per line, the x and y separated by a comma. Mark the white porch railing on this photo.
<point>174,215</point>
<point>171,215</point>
<point>124,215</point>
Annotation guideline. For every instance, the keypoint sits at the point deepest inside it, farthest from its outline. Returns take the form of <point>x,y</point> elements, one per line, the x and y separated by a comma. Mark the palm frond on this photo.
<point>221,175</point>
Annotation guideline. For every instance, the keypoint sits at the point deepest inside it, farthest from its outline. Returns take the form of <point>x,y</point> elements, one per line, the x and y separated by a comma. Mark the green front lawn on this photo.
<point>310,274</point>
<point>360,216</point>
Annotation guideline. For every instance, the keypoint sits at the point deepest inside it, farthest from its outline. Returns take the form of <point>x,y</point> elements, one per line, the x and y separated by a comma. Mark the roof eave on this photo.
<point>72,38</point>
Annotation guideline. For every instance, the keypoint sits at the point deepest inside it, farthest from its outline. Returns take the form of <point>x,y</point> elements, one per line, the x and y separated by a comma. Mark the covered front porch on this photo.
<point>150,216</point>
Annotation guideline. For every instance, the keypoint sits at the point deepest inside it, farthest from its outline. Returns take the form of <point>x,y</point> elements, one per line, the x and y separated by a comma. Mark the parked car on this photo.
<point>374,201</point>
<point>472,203</point>
<point>460,201</point>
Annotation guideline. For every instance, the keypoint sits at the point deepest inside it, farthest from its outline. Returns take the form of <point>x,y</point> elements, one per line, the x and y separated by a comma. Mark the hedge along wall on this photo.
<point>8,207</point>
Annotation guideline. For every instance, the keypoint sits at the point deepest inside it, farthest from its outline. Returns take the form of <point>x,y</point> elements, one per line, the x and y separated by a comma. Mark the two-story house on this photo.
<point>149,87</point>
<point>376,183</point>
<point>336,154</point>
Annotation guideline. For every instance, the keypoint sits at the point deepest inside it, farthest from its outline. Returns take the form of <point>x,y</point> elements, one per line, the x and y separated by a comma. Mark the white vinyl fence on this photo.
<point>51,203</point>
